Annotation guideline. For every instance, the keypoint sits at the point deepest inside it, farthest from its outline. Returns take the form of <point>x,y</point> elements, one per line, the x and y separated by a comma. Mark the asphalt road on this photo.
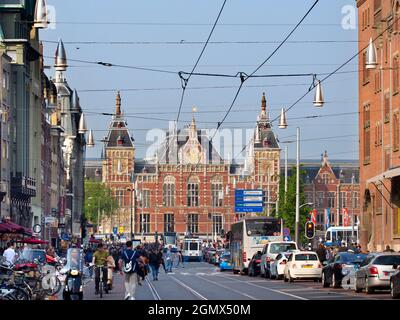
<point>203,281</point>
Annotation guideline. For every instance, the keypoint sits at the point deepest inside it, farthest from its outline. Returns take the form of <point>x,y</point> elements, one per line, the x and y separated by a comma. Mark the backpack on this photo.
<point>130,266</point>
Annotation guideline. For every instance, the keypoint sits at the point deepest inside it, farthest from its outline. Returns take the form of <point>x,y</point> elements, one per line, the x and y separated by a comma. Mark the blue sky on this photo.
<point>191,20</point>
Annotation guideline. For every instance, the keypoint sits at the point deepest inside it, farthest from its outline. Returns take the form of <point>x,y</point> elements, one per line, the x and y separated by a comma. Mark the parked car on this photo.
<point>277,268</point>
<point>271,251</point>
<point>303,265</point>
<point>395,282</point>
<point>254,264</point>
<point>339,266</point>
<point>375,272</point>
<point>225,262</point>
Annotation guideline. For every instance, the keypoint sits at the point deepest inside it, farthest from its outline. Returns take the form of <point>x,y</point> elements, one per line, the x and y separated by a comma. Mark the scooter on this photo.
<point>73,289</point>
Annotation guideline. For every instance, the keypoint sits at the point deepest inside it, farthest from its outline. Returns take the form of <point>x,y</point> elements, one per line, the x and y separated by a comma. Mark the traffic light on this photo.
<point>310,230</point>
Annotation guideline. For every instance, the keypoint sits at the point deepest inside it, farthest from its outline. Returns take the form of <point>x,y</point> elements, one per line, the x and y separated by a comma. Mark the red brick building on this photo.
<point>334,186</point>
<point>187,187</point>
<point>379,129</point>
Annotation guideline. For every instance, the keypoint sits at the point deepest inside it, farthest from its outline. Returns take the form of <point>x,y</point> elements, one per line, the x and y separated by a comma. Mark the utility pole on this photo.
<point>286,169</point>
<point>297,185</point>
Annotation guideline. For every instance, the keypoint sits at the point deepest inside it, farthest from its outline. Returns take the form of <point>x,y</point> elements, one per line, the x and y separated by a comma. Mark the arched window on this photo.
<point>169,192</point>
<point>217,192</point>
<point>193,192</point>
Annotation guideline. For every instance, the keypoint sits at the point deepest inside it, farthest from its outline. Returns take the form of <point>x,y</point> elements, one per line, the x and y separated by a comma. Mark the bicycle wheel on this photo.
<point>101,288</point>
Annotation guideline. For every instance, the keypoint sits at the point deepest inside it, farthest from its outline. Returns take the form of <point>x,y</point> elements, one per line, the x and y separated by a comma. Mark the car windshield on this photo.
<point>194,246</point>
<point>306,257</point>
<point>263,227</point>
<point>387,260</point>
<point>280,247</point>
<point>30,255</point>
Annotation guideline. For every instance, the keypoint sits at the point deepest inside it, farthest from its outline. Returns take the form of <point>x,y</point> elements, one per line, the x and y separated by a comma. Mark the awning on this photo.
<point>7,226</point>
<point>33,241</point>
<point>386,175</point>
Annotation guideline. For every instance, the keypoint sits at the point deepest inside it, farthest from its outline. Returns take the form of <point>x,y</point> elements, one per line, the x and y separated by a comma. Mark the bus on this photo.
<point>169,239</point>
<point>192,249</point>
<point>249,235</point>
<point>335,235</point>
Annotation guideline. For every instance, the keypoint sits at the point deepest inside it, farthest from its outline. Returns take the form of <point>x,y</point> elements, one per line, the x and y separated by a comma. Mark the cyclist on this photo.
<point>100,261</point>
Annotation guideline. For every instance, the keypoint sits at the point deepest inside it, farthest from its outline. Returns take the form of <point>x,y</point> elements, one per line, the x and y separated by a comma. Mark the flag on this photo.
<point>314,216</point>
<point>345,213</point>
<point>328,217</point>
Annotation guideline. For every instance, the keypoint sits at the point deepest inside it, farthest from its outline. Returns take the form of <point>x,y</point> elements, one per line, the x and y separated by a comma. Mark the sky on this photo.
<point>158,32</point>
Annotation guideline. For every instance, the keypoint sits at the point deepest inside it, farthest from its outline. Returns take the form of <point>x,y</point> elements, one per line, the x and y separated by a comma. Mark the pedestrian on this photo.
<point>9,253</point>
<point>129,267</point>
<point>388,249</point>
<point>180,259</point>
<point>155,259</point>
<point>168,259</point>
<point>164,250</point>
<point>321,252</point>
<point>110,269</point>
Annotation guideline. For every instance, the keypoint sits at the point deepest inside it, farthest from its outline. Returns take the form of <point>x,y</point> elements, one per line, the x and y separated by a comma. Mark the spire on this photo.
<point>75,101</point>
<point>118,104</point>
<point>41,18</point>
<point>60,58</point>
<point>325,158</point>
<point>263,103</point>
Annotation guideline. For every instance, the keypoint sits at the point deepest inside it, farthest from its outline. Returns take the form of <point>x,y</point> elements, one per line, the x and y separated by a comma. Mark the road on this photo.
<point>203,281</point>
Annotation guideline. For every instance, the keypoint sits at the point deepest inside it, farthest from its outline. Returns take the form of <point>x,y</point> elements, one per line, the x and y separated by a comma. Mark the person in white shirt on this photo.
<point>9,253</point>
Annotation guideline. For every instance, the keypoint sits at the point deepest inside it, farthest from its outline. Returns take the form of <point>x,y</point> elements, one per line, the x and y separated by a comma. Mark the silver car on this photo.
<point>375,272</point>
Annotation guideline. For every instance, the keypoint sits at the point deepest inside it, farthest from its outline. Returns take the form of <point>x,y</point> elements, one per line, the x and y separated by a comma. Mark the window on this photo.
<point>217,224</point>
<point>378,81</point>
<point>309,197</point>
<point>325,178</point>
<point>367,134</point>
<point>193,223</point>
<point>145,223</point>
<point>331,199</point>
<point>387,108</point>
<point>169,222</point>
<point>396,140</point>
<point>378,134</point>
<point>119,197</point>
<point>145,199</point>
<point>320,199</point>
<point>169,192</point>
<point>365,73</point>
<point>343,198</point>
<point>395,72</point>
<point>217,193</point>
<point>193,192</point>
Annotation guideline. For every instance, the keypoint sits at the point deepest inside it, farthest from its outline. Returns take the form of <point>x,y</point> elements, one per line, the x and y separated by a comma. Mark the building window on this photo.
<point>169,192</point>
<point>378,84</point>
<point>396,128</point>
<point>217,224</point>
<point>145,199</point>
<point>343,199</point>
<point>119,197</point>
<point>387,108</point>
<point>169,222</point>
<point>367,134</point>
<point>331,199</point>
<point>325,178</point>
<point>193,192</point>
<point>217,193</point>
<point>378,134</point>
<point>145,223</point>
<point>354,200</point>
<point>309,197</point>
<point>320,199</point>
<point>395,72</point>
<point>365,72</point>
<point>193,223</point>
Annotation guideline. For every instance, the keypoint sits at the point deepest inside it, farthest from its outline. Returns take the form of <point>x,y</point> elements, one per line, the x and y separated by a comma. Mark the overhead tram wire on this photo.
<point>244,77</point>
<point>339,68</point>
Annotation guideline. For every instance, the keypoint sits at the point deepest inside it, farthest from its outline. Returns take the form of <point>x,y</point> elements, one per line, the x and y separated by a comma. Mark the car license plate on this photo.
<point>387,273</point>
<point>307,265</point>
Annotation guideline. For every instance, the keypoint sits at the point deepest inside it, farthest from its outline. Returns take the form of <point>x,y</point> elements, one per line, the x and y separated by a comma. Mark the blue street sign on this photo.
<point>286,232</point>
<point>286,238</point>
<point>247,201</point>
<point>115,230</point>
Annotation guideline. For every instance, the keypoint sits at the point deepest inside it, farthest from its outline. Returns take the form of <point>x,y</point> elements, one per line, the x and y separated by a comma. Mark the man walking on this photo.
<point>155,259</point>
<point>128,263</point>
<point>168,259</point>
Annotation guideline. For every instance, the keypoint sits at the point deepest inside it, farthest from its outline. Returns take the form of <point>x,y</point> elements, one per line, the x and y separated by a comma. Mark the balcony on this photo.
<point>23,186</point>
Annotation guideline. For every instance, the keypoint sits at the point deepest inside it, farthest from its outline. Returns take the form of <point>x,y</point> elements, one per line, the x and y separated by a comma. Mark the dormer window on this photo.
<point>119,125</point>
<point>120,141</point>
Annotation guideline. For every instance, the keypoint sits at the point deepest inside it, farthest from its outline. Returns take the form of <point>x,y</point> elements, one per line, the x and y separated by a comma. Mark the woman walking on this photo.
<point>155,260</point>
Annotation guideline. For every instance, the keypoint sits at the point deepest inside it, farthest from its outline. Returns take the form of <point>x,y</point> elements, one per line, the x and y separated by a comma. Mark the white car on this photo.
<point>277,267</point>
<point>271,251</point>
<point>303,265</point>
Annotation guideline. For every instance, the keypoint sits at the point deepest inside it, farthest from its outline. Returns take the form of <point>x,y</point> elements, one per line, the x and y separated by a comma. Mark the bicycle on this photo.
<point>102,284</point>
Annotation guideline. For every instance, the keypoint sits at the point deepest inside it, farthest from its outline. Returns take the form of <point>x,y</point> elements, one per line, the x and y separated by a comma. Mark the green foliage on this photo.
<point>287,204</point>
<point>98,199</point>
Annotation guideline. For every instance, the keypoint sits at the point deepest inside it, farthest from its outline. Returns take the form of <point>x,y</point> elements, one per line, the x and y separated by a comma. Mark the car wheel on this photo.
<point>368,289</point>
<point>395,295</point>
<point>290,278</point>
<point>324,283</point>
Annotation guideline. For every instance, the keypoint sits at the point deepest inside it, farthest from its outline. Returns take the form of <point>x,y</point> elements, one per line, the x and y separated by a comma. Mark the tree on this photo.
<point>287,204</point>
<point>98,199</point>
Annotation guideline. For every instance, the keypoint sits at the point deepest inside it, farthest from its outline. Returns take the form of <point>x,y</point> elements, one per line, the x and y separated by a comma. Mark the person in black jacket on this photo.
<point>321,253</point>
<point>155,260</point>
